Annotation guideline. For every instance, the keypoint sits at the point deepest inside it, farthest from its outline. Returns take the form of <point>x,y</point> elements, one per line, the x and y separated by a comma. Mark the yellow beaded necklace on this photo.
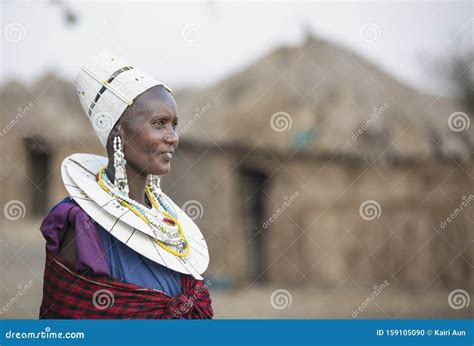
<point>144,218</point>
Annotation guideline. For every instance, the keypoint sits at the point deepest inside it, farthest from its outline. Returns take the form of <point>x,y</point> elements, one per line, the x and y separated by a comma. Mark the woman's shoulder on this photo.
<point>58,213</point>
<point>64,208</point>
<point>70,232</point>
<point>65,213</point>
<point>64,202</point>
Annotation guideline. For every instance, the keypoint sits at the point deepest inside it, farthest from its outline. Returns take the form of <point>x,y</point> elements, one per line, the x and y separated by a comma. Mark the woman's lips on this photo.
<point>167,156</point>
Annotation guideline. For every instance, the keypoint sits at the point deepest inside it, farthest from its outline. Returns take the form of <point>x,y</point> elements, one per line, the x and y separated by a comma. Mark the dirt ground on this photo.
<point>22,260</point>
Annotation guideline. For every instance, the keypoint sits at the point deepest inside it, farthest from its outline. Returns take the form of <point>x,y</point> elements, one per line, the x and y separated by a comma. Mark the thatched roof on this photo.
<point>49,109</point>
<point>329,93</point>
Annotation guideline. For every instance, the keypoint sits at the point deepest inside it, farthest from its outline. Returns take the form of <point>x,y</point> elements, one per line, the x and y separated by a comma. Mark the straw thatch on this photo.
<point>329,93</point>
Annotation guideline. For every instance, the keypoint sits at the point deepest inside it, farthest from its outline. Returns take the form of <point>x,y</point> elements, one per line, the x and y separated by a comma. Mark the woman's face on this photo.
<point>148,132</point>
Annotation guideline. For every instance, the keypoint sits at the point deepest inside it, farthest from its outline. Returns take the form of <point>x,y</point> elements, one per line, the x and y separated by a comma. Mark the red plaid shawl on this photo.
<point>68,293</point>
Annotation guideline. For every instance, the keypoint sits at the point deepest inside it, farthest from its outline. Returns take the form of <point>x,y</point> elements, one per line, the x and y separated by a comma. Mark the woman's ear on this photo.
<point>120,131</point>
<point>116,131</point>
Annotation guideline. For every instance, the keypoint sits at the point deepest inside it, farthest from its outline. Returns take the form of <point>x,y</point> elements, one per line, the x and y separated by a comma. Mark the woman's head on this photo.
<point>147,129</point>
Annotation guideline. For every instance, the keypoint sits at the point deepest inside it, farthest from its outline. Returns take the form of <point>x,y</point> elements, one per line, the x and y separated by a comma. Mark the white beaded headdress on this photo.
<point>106,86</point>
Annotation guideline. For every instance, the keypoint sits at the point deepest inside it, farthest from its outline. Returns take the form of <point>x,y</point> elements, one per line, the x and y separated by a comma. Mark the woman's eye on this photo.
<point>162,123</point>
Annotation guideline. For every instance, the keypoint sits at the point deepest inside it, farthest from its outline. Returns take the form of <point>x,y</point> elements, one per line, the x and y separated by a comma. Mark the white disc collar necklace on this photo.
<point>164,233</point>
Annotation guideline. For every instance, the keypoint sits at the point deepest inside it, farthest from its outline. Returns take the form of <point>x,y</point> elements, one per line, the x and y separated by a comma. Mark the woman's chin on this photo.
<point>162,169</point>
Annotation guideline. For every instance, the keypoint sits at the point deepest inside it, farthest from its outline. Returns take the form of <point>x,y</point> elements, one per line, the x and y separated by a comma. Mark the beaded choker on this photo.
<point>162,217</point>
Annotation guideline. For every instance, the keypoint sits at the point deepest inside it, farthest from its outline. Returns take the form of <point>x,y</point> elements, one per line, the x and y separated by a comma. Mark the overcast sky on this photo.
<point>197,43</point>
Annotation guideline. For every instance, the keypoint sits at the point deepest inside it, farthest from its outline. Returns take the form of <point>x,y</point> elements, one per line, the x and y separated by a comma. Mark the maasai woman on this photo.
<point>118,247</point>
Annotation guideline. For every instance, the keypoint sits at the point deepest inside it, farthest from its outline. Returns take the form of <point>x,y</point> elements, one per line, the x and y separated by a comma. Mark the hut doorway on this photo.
<point>253,183</point>
<point>38,172</point>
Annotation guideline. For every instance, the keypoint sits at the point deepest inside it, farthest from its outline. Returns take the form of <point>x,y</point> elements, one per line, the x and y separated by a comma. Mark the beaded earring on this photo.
<point>120,181</point>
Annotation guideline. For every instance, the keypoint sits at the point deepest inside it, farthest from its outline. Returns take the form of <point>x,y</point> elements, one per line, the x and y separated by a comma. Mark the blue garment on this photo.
<point>129,266</point>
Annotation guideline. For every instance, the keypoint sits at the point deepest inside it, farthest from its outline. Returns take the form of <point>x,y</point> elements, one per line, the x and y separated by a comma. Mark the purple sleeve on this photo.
<point>90,253</point>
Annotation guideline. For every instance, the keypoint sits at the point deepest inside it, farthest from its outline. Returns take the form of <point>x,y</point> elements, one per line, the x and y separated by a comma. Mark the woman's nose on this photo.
<point>171,137</point>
